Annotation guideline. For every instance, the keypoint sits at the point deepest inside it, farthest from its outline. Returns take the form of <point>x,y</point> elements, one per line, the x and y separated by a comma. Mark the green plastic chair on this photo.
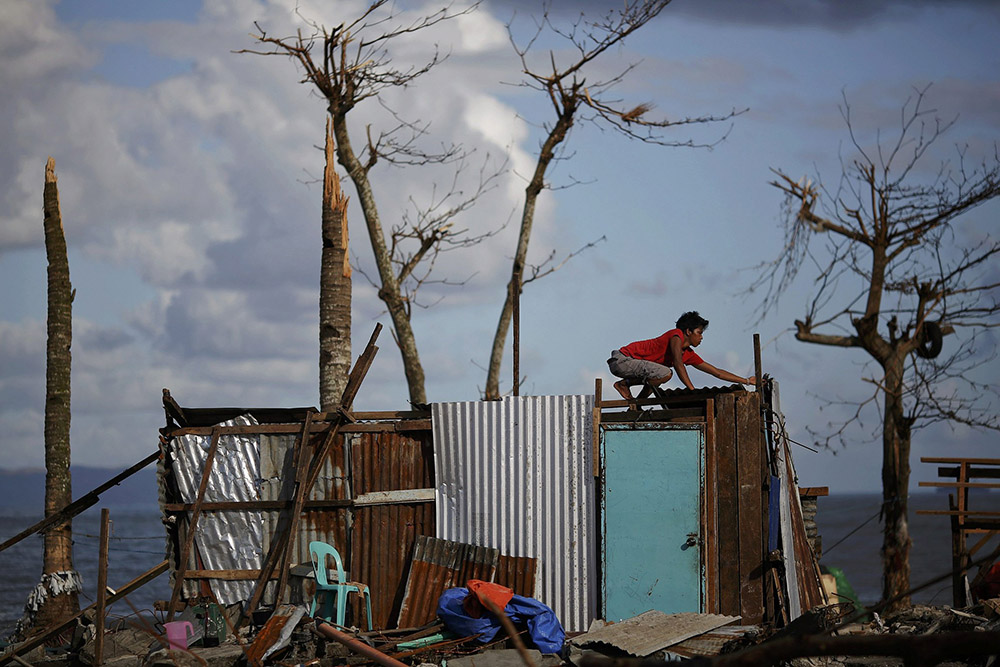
<point>318,551</point>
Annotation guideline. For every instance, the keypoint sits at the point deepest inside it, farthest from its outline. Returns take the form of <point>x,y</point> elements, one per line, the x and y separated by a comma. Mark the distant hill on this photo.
<point>25,489</point>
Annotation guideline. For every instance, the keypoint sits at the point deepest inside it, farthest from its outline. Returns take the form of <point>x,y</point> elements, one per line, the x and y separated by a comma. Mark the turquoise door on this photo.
<point>651,520</point>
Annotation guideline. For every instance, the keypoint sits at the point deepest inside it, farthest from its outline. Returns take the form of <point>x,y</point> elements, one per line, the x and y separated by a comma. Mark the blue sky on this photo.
<point>187,182</point>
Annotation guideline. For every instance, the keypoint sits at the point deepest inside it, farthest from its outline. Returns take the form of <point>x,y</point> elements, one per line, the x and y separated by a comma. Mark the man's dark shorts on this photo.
<point>637,370</point>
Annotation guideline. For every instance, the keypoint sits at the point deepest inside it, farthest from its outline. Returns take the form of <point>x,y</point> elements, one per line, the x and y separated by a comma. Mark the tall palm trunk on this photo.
<point>60,581</point>
<point>334,289</point>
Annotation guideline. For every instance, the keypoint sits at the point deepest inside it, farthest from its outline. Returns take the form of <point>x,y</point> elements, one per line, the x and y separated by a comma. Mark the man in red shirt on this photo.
<point>650,362</point>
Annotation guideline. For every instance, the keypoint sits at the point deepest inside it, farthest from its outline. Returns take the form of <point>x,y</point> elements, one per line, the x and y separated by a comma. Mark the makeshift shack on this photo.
<point>595,509</point>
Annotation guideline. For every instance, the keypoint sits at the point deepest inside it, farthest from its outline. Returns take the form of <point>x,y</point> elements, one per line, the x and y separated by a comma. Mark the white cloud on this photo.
<point>195,183</point>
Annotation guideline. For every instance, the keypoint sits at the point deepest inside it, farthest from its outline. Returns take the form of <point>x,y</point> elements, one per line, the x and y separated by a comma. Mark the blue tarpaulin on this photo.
<point>543,627</point>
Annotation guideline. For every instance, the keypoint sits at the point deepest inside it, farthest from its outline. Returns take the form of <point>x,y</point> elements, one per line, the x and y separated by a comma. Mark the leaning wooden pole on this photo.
<point>59,579</point>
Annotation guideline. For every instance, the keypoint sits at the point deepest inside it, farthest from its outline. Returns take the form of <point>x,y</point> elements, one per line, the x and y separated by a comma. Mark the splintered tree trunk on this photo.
<point>895,489</point>
<point>334,289</point>
<point>57,569</point>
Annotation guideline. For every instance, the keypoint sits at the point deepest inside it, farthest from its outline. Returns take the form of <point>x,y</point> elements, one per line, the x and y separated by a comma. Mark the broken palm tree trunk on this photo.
<point>55,596</point>
<point>335,288</point>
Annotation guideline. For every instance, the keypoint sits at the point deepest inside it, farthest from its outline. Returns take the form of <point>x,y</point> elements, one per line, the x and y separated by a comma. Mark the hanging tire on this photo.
<point>930,341</point>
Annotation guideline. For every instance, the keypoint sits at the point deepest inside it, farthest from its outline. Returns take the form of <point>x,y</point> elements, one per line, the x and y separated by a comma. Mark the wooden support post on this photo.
<point>757,367</point>
<point>748,470</point>
<point>728,505</point>
<point>102,587</point>
<point>193,524</point>
<point>516,335</point>
<point>301,491</point>
<point>711,513</point>
<point>596,440</point>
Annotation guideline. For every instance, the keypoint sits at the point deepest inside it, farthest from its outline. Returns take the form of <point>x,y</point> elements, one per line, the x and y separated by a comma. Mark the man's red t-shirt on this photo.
<point>655,349</point>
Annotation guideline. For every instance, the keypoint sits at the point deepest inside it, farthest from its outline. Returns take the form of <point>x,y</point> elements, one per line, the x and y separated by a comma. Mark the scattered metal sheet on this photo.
<point>652,631</point>
<point>517,475</point>
<point>438,565</point>
<point>276,633</point>
<point>711,643</point>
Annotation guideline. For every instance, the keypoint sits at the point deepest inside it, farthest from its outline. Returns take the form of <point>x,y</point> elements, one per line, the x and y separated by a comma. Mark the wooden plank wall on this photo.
<point>727,504</point>
<point>740,463</point>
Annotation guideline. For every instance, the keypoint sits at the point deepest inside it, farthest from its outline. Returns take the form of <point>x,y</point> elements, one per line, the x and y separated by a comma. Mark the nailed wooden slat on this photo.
<point>595,442</point>
<point>258,505</point>
<point>320,427</point>
<point>963,485</point>
<point>653,415</point>
<point>749,467</point>
<point>728,505</point>
<point>182,564</point>
<point>711,517</point>
<point>948,459</point>
<point>400,496</point>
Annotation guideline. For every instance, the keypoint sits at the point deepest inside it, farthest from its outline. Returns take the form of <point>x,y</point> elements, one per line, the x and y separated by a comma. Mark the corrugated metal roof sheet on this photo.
<point>651,631</point>
<point>516,475</point>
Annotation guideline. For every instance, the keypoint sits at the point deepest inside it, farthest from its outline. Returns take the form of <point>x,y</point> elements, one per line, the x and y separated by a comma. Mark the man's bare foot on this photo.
<point>624,389</point>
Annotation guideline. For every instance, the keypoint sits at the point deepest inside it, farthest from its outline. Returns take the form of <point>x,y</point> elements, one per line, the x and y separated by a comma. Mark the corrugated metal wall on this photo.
<point>516,475</point>
<point>278,483</point>
<point>224,540</point>
<point>383,535</point>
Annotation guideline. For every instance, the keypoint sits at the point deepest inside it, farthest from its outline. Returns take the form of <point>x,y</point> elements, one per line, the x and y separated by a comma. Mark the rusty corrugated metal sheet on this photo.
<point>516,475</point>
<point>438,565</point>
<point>518,574</point>
<point>383,535</point>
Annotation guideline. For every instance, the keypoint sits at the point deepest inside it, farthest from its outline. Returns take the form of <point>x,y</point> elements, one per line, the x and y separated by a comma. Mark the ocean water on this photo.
<point>848,524</point>
<point>137,544</point>
<point>852,520</point>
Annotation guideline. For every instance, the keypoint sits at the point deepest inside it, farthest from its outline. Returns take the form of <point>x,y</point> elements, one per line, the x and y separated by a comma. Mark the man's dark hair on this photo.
<point>691,320</point>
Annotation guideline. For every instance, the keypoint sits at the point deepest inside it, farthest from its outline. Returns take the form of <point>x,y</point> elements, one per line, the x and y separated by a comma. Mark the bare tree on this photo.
<point>572,97</point>
<point>351,64</point>
<point>56,595</point>
<point>334,289</point>
<point>892,277</point>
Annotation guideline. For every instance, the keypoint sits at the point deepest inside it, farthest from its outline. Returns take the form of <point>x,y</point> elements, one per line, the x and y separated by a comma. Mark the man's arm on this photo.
<point>675,358</point>
<point>722,374</point>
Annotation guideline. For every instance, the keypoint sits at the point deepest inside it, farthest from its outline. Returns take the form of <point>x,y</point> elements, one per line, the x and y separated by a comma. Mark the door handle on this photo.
<point>692,540</point>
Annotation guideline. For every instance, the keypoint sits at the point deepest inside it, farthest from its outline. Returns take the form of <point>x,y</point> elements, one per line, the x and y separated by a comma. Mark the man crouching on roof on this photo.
<point>649,362</point>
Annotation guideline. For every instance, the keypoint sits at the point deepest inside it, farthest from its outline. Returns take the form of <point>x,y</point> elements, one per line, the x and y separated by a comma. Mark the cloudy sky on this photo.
<point>187,177</point>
